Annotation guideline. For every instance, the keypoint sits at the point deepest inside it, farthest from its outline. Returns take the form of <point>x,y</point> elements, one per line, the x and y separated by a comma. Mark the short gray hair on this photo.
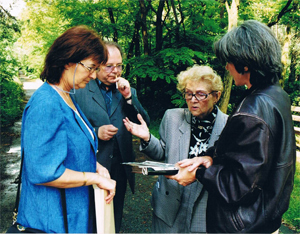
<point>252,45</point>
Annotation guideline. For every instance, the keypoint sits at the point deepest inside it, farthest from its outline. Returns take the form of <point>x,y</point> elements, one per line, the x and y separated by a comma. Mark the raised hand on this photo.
<point>139,130</point>
<point>123,87</point>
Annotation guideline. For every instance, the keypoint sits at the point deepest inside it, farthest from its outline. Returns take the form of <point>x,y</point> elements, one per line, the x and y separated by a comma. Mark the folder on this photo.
<point>152,168</point>
<point>105,221</point>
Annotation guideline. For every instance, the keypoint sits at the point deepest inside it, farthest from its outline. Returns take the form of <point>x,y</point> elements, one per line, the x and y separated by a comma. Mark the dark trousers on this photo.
<point>119,175</point>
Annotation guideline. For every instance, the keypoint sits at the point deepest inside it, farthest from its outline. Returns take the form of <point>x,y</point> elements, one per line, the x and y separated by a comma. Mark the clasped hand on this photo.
<point>187,169</point>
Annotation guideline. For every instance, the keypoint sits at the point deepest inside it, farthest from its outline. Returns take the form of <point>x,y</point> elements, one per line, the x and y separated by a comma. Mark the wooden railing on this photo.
<point>296,117</point>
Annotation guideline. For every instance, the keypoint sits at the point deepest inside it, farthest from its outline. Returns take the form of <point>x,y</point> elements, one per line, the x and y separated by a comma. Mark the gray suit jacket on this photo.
<point>167,197</point>
<point>92,104</point>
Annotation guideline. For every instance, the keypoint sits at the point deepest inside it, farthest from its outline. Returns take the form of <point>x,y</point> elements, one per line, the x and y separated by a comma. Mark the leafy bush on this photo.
<point>293,89</point>
<point>11,102</point>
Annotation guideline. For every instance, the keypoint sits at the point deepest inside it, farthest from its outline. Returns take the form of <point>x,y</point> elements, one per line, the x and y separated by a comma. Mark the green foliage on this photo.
<point>9,32</point>
<point>41,25</point>
<point>155,77</point>
<point>154,127</point>
<point>292,215</point>
<point>11,93</point>
<point>293,89</point>
<point>11,102</point>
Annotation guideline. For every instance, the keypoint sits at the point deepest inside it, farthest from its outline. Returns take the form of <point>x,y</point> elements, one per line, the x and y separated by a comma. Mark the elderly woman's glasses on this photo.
<point>198,95</point>
<point>110,67</point>
<point>90,69</point>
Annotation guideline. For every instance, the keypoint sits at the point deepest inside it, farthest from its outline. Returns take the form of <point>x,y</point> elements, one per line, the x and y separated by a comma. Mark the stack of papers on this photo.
<point>152,168</point>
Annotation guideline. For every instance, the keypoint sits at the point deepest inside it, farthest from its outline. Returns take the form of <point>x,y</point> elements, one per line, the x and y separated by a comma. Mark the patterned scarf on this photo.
<point>201,132</point>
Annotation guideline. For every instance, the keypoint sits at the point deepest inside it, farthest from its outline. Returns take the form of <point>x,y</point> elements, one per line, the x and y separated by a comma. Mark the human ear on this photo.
<point>218,96</point>
<point>68,66</point>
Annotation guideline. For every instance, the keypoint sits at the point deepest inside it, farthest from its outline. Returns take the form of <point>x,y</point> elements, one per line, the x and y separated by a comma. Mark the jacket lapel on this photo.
<point>94,142</point>
<point>96,94</point>
<point>116,99</point>
<point>185,137</point>
<point>218,127</point>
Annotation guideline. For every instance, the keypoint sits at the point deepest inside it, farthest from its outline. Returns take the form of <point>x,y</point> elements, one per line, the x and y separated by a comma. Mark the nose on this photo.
<point>93,75</point>
<point>114,69</point>
<point>226,67</point>
<point>194,99</point>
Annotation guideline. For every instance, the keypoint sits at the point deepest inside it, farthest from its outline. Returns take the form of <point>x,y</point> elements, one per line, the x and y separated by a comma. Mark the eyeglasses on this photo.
<point>198,95</point>
<point>90,69</point>
<point>110,67</point>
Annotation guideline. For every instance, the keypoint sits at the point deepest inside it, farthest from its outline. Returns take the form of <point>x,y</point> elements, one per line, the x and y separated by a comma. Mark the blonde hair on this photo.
<point>198,73</point>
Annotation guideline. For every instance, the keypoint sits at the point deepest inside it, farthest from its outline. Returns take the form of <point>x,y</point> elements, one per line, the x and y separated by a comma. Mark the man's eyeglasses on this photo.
<point>90,69</point>
<point>198,95</point>
<point>110,67</point>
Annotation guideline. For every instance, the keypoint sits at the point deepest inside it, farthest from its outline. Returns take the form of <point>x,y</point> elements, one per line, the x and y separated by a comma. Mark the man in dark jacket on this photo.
<point>106,101</point>
<point>249,173</point>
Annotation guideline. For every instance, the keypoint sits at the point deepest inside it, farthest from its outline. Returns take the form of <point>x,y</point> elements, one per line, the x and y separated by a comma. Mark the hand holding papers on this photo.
<point>152,168</point>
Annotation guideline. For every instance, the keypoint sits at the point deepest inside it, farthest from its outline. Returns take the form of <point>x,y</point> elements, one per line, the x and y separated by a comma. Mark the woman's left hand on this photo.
<point>101,170</point>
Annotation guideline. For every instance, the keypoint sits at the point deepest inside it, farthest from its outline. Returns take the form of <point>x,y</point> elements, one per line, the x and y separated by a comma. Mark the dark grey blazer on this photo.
<point>92,104</point>
<point>168,196</point>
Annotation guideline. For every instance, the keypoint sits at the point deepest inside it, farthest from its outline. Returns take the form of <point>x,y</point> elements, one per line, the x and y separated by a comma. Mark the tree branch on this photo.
<point>281,13</point>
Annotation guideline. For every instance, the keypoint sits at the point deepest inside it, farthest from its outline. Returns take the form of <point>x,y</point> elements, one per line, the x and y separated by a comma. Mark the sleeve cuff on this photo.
<point>145,143</point>
<point>200,172</point>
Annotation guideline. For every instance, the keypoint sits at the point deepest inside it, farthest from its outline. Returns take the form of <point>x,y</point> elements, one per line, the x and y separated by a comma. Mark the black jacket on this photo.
<point>252,176</point>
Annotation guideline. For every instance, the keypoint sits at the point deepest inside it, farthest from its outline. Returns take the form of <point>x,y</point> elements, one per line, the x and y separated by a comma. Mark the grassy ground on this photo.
<point>292,217</point>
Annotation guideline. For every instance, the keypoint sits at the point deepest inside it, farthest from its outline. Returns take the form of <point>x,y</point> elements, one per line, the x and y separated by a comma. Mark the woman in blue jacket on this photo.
<point>59,144</point>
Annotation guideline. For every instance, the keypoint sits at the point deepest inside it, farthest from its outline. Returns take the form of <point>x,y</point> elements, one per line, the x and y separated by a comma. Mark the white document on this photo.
<point>104,212</point>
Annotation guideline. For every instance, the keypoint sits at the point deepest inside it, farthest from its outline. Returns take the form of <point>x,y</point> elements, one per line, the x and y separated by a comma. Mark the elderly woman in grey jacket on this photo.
<point>184,133</point>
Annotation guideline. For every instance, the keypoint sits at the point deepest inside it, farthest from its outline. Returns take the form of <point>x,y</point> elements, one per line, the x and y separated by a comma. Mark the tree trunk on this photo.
<point>144,26</point>
<point>232,22</point>
<point>112,20</point>
<point>159,25</point>
<point>176,21</point>
<point>134,45</point>
<point>285,53</point>
<point>182,18</point>
<point>295,54</point>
